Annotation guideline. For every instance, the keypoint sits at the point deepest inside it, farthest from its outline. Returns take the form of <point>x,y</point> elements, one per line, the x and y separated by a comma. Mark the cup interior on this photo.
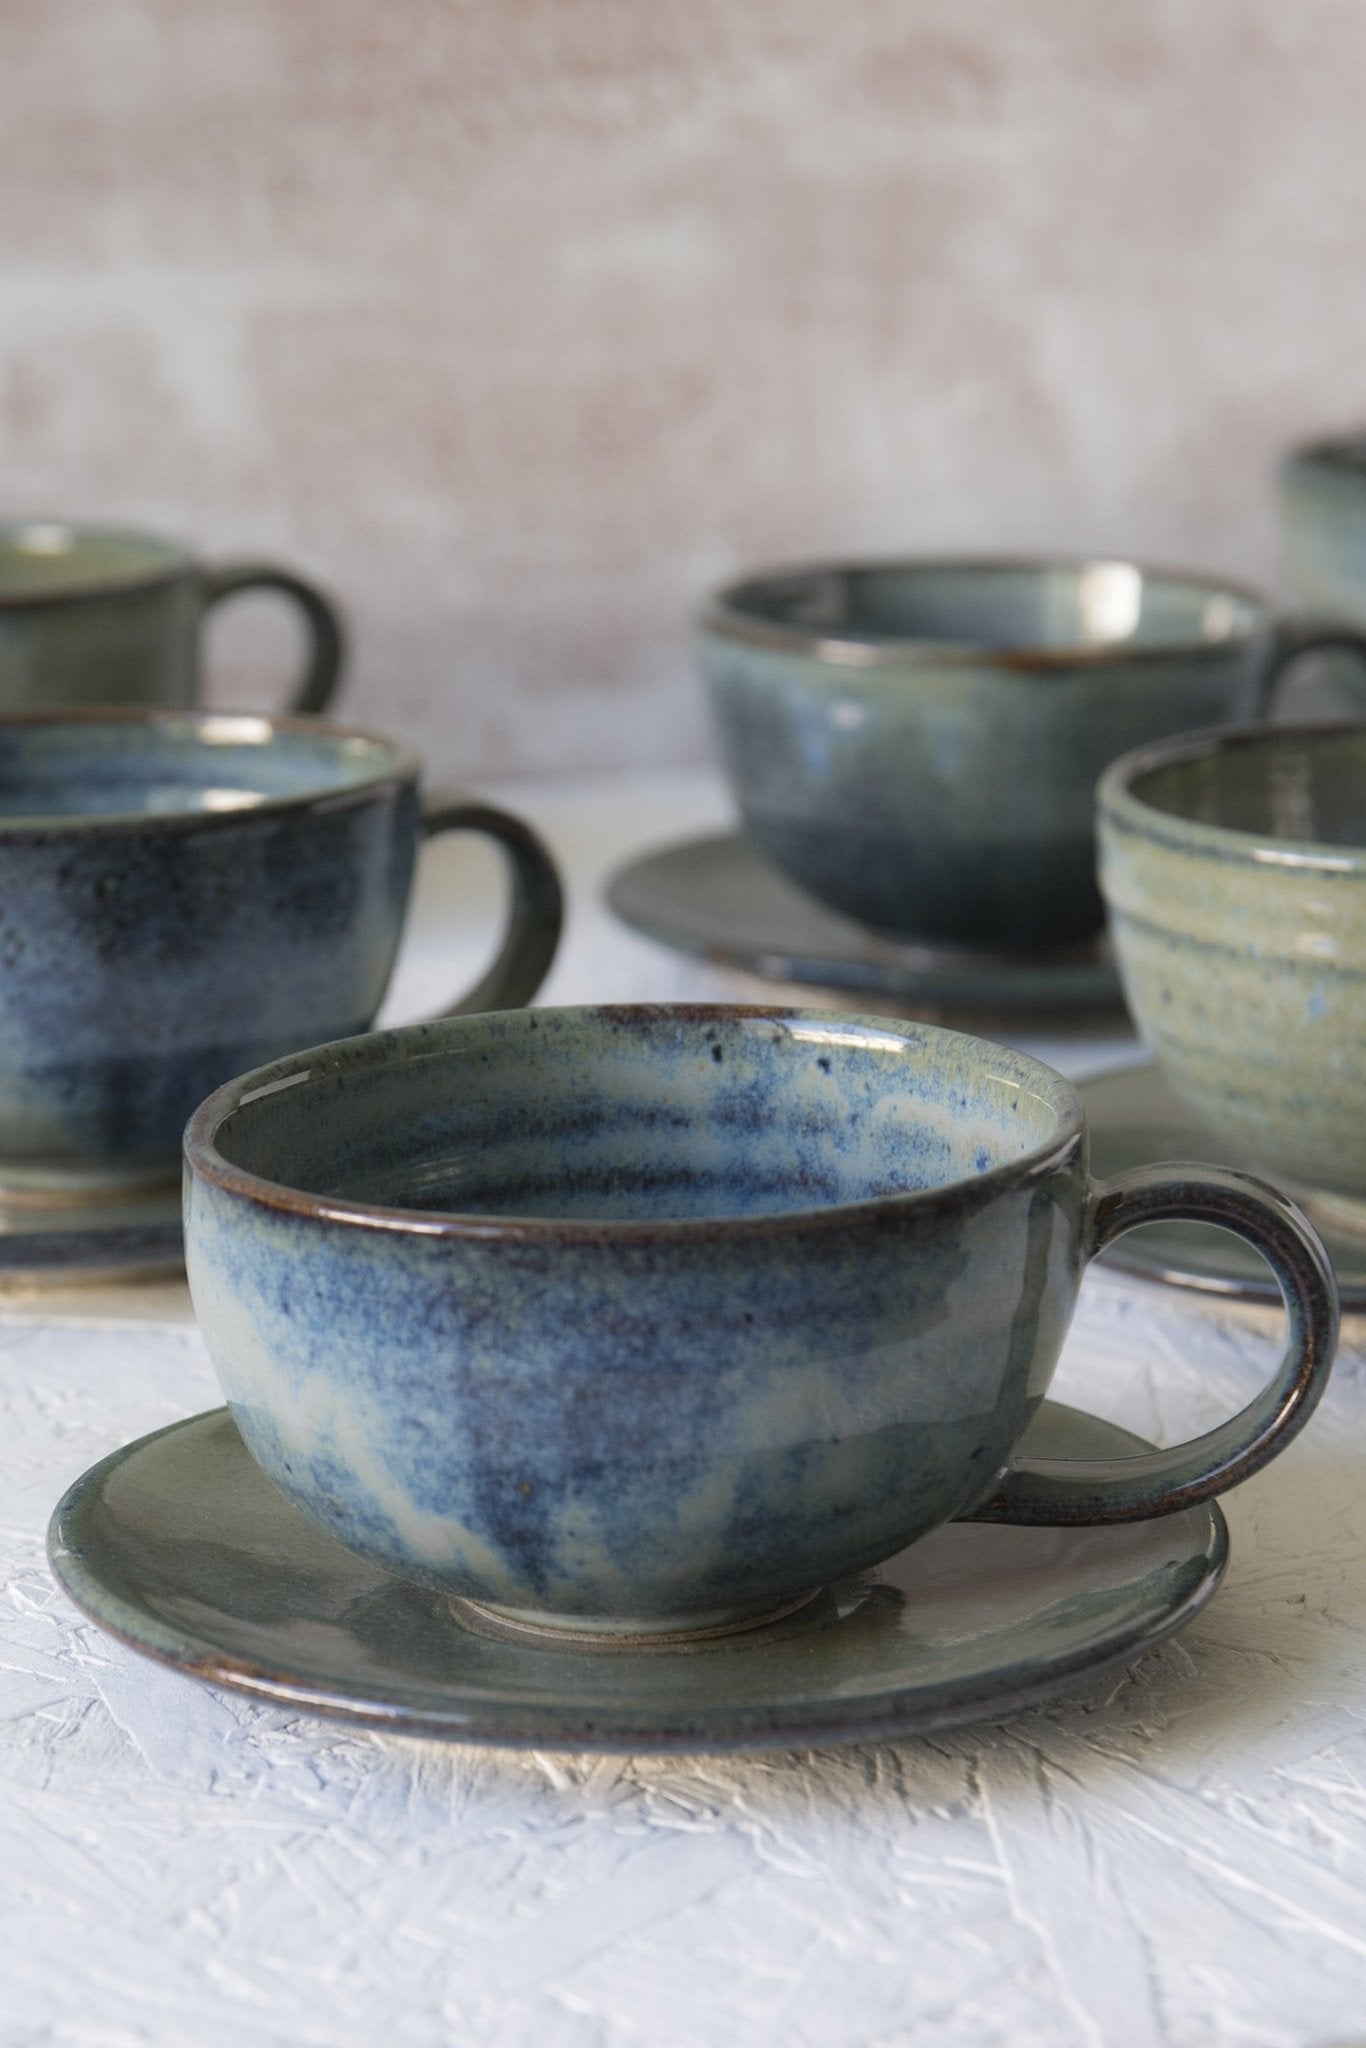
<point>47,558</point>
<point>51,769</point>
<point>1306,786</point>
<point>638,1115</point>
<point>1059,606</point>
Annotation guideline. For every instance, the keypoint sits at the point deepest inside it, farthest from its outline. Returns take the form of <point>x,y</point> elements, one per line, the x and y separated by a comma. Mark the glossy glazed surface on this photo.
<point>918,744</point>
<point>1116,1852</point>
<point>101,615</point>
<point>1134,1119</point>
<point>645,1315</point>
<point>719,898</point>
<point>179,899</point>
<point>181,1546</point>
<point>1234,866</point>
<point>658,1319</point>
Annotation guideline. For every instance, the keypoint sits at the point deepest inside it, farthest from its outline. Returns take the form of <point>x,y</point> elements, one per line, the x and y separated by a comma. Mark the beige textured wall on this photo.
<point>523,321</point>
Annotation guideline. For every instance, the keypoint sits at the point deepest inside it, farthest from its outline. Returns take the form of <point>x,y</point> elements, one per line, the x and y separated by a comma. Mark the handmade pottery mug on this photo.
<point>98,615</point>
<point>647,1323</point>
<point>1234,865</point>
<point>917,743</point>
<point>183,895</point>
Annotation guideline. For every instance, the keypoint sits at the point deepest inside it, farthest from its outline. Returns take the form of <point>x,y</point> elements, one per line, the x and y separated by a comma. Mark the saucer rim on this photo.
<point>903,1711</point>
<point>951,980</point>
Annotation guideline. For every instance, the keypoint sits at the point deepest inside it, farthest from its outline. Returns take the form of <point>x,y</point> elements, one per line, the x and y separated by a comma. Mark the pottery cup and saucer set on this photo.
<point>636,1377</point>
<point>183,893</point>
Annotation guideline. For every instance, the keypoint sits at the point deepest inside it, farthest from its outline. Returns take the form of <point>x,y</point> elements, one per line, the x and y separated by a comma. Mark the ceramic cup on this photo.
<point>184,895</point>
<point>917,743</point>
<point>97,615</point>
<point>1234,865</point>
<point>650,1322</point>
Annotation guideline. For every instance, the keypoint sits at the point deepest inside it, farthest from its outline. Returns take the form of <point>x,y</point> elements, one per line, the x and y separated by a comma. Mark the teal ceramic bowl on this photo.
<point>917,743</point>
<point>648,1323</point>
<point>1234,867</point>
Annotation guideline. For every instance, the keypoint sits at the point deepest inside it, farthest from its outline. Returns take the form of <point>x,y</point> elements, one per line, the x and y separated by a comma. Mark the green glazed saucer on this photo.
<point>718,898</point>
<point>60,1242</point>
<point>1135,1120</point>
<point>179,1545</point>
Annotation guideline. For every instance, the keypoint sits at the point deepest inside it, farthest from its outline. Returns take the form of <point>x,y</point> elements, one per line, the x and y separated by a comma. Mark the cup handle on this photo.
<point>326,635</point>
<point>535,915</point>
<point>1292,637</point>
<point>1084,1490</point>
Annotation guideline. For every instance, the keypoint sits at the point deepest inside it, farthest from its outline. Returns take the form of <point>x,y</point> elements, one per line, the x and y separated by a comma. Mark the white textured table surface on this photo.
<point>1173,1856</point>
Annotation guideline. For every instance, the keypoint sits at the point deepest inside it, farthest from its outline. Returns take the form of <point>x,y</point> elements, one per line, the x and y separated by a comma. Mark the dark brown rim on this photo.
<point>721,617</point>
<point>207,1163</point>
<point>1119,804</point>
<point>399,768</point>
<point>179,563</point>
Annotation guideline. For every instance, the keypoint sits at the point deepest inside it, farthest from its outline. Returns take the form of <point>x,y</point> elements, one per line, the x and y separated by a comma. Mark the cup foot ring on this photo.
<point>605,1639</point>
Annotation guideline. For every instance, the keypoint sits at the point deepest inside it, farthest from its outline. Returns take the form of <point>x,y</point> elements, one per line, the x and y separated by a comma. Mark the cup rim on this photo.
<point>721,616</point>
<point>205,1162</point>
<point>1118,802</point>
<point>396,768</point>
<point>176,560</point>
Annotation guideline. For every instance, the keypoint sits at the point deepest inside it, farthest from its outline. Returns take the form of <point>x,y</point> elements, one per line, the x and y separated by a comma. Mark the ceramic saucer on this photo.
<point>1135,1120</point>
<point>718,898</point>
<point>57,1242</point>
<point>181,1547</point>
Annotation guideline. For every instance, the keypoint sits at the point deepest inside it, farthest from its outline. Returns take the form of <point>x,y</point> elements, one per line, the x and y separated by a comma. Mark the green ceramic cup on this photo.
<point>917,743</point>
<point>101,616</point>
<point>1234,867</point>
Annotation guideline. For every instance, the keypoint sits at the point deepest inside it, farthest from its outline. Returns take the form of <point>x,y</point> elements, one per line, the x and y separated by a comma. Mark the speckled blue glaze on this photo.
<point>182,897</point>
<point>917,743</point>
<point>645,1318</point>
